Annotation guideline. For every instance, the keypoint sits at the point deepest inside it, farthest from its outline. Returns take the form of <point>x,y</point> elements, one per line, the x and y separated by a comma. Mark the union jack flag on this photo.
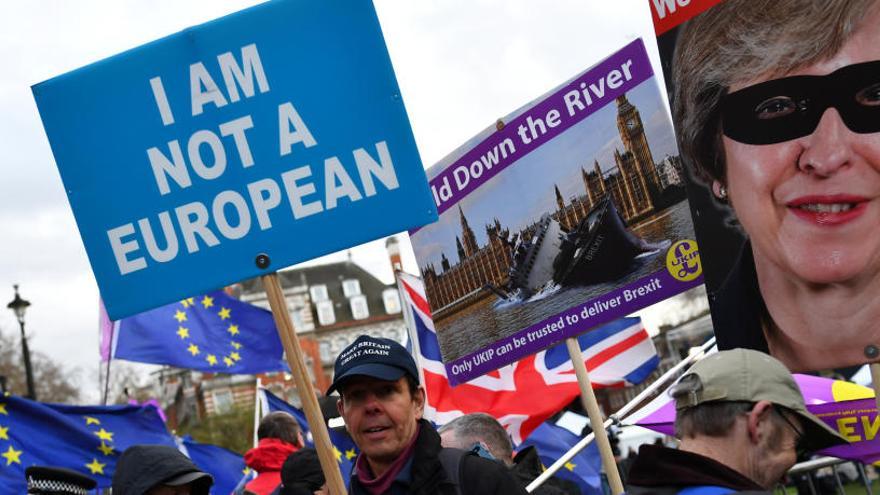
<point>524,394</point>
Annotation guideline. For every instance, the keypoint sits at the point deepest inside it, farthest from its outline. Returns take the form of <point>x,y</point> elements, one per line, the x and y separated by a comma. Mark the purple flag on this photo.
<point>105,332</point>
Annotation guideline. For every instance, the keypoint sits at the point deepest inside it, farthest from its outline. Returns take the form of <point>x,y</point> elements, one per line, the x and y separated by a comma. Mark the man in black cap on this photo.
<point>46,480</point>
<point>158,470</point>
<point>382,404</point>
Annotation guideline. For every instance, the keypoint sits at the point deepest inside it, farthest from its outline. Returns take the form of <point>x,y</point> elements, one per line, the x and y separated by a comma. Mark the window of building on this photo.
<point>351,287</point>
<point>391,300</point>
<point>324,352</point>
<point>222,400</point>
<point>359,307</point>
<point>326,314</point>
<point>297,317</point>
<point>306,322</point>
<point>318,292</point>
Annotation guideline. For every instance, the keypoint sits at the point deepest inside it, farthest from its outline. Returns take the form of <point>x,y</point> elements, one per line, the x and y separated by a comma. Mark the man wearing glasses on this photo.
<point>742,424</point>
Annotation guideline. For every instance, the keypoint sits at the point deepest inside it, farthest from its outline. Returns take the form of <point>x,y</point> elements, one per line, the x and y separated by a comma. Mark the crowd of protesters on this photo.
<point>740,419</point>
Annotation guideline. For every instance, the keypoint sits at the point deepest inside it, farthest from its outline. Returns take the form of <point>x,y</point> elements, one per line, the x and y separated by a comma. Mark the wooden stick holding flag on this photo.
<point>591,405</point>
<point>258,411</point>
<point>295,359</point>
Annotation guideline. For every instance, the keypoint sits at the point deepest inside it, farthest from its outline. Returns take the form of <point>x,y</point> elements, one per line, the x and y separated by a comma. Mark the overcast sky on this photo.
<point>460,65</point>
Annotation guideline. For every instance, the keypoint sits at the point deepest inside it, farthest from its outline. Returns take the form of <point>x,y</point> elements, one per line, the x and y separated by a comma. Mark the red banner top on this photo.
<point>668,14</point>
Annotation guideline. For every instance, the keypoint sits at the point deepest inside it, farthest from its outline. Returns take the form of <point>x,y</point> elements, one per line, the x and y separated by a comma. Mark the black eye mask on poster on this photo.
<point>791,107</point>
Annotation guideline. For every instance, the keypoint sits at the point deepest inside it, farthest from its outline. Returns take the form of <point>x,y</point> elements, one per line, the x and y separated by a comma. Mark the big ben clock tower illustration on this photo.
<point>632,133</point>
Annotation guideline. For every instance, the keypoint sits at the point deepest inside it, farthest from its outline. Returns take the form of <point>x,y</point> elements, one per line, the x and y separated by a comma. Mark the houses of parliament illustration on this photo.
<point>633,182</point>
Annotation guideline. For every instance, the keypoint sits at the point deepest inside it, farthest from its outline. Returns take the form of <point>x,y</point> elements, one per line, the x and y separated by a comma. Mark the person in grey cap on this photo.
<point>47,480</point>
<point>382,403</point>
<point>741,420</point>
<point>158,470</point>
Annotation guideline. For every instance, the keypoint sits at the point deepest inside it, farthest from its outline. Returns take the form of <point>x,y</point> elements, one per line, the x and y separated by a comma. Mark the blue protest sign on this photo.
<point>277,130</point>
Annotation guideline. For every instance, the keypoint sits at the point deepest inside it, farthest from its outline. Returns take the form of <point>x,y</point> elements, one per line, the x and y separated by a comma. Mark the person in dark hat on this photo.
<point>158,470</point>
<point>47,480</point>
<point>382,403</point>
<point>301,474</point>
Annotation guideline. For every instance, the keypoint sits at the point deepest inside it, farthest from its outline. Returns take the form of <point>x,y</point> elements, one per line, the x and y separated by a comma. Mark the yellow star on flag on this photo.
<point>224,313</point>
<point>235,356</point>
<point>336,453</point>
<point>235,344</point>
<point>233,329</point>
<point>3,410</point>
<point>570,466</point>
<point>212,359</point>
<point>4,433</point>
<point>105,449</point>
<point>207,301</point>
<point>96,467</point>
<point>91,421</point>
<point>180,316</point>
<point>350,454</point>
<point>193,349</point>
<point>228,361</point>
<point>183,332</point>
<point>11,456</point>
<point>189,301</point>
<point>104,435</point>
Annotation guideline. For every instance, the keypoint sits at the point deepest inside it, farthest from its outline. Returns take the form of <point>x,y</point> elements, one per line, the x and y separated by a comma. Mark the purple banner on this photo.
<point>855,420</point>
<point>574,102</point>
<point>574,321</point>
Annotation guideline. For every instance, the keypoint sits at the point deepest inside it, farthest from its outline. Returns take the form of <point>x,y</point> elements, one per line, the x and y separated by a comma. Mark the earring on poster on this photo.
<point>720,191</point>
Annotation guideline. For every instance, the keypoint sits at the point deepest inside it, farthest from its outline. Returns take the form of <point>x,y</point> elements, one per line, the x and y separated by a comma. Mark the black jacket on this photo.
<point>737,307</point>
<point>661,471</point>
<point>527,466</point>
<point>425,474</point>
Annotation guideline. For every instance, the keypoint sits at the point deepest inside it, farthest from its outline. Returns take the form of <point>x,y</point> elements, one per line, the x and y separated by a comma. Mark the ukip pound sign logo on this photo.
<point>683,260</point>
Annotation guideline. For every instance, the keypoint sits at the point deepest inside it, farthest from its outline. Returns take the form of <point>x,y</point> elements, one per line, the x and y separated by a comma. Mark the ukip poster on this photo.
<point>566,214</point>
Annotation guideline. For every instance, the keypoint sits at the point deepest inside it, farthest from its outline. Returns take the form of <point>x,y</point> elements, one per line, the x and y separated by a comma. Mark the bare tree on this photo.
<point>54,382</point>
<point>128,381</point>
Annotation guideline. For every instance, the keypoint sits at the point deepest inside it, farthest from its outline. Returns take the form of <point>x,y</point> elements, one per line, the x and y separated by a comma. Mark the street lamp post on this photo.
<point>19,306</point>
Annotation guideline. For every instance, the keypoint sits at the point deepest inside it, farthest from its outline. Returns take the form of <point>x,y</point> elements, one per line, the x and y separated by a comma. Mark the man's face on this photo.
<point>777,452</point>
<point>381,417</point>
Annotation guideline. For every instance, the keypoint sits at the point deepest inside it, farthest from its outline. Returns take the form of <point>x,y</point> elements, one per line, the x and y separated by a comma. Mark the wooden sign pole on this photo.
<point>875,382</point>
<point>303,384</point>
<point>588,399</point>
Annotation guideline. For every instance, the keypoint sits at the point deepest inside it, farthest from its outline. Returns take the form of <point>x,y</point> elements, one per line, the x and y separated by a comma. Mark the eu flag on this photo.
<point>212,333</point>
<point>88,439</point>
<point>224,465</point>
<point>552,441</point>
<point>343,446</point>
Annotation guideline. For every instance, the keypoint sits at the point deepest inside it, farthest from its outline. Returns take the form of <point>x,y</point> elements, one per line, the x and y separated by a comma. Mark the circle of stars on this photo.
<point>183,331</point>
